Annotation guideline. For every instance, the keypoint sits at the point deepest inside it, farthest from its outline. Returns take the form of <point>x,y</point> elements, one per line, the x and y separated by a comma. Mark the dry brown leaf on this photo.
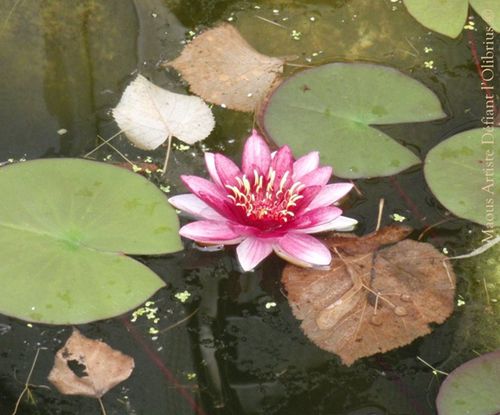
<point>88,367</point>
<point>222,68</point>
<point>372,300</point>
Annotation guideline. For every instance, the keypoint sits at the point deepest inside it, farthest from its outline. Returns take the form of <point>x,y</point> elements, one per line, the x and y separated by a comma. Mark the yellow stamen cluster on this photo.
<point>261,200</point>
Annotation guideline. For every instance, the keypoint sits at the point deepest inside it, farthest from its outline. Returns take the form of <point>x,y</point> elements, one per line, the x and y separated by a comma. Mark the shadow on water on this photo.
<point>240,350</point>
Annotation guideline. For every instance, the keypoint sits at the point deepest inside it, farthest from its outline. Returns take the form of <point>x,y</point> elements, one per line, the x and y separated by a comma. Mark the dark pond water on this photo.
<point>64,64</point>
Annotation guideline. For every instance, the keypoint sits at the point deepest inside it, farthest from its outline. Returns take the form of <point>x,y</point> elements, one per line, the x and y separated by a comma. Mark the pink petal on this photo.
<point>252,251</point>
<point>282,163</point>
<point>305,164</point>
<point>209,193</point>
<point>341,223</point>
<point>211,232</point>
<point>317,177</point>
<point>308,195</point>
<point>330,194</point>
<point>256,155</point>
<point>303,250</point>
<point>194,206</point>
<point>316,217</point>
<point>210,162</point>
<point>227,170</point>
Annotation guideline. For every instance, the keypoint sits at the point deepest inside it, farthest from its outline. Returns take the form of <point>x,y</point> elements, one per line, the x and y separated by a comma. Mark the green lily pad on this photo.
<point>489,10</point>
<point>472,388</point>
<point>65,227</point>
<point>443,16</point>
<point>461,173</point>
<point>448,16</point>
<point>332,108</point>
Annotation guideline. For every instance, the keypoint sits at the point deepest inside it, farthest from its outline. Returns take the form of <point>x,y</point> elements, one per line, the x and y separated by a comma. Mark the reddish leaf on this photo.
<point>88,367</point>
<point>372,300</point>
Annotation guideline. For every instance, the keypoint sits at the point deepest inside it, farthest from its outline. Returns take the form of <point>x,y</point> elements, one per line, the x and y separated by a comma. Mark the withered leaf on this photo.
<point>372,299</point>
<point>88,367</point>
<point>149,115</point>
<point>222,68</point>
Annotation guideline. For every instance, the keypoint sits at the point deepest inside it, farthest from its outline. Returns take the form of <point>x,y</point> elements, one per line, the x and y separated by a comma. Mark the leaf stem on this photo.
<point>178,323</point>
<point>380,211</point>
<point>169,147</point>
<point>480,250</point>
<point>432,367</point>
<point>103,143</point>
<point>26,385</point>
<point>103,409</point>
<point>118,151</point>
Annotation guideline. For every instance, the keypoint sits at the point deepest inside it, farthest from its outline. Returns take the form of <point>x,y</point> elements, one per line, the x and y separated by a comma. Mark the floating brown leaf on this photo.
<point>88,367</point>
<point>372,300</point>
<point>222,68</point>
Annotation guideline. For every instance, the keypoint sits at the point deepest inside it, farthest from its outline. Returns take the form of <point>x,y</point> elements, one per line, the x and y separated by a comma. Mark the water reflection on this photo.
<point>64,65</point>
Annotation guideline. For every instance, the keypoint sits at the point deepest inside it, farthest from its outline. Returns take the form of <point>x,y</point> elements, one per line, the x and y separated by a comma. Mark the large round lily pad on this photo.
<point>461,173</point>
<point>332,108</point>
<point>472,388</point>
<point>65,225</point>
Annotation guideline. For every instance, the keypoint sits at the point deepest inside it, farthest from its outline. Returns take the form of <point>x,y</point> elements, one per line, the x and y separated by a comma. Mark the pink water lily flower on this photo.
<point>271,204</point>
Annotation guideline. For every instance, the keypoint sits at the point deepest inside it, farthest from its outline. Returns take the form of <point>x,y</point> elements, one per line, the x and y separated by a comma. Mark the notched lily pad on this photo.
<point>472,388</point>
<point>448,16</point>
<point>221,67</point>
<point>445,16</point>
<point>88,367</point>
<point>333,108</point>
<point>65,227</point>
<point>373,299</point>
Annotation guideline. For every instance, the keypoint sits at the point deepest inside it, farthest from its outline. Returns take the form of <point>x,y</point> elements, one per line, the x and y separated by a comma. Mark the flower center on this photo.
<point>265,201</point>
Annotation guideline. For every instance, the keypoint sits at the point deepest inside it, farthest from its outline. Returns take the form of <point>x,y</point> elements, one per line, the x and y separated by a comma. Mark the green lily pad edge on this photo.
<point>448,17</point>
<point>461,173</point>
<point>66,226</point>
<point>472,388</point>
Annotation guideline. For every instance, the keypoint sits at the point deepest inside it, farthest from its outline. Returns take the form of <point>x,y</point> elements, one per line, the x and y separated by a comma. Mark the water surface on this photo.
<point>65,64</point>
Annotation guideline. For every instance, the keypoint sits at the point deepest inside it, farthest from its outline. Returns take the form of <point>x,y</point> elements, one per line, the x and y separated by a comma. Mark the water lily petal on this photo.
<point>330,194</point>
<point>316,217</point>
<point>308,195</point>
<point>281,164</point>
<point>317,177</point>
<point>305,164</point>
<point>210,193</point>
<point>252,251</point>
<point>194,206</point>
<point>256,155</point>
<point>210,162</point>
<point>211,232</point>
<point>303,250</point>
<point>227,170</point>
<point>341,223</point>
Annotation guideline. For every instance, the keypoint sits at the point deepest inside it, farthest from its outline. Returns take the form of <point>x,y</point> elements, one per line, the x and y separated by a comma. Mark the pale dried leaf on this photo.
<point>221,67</point>
<point>372,301</point>
<point>100,367</point>
<point>149,114</point>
